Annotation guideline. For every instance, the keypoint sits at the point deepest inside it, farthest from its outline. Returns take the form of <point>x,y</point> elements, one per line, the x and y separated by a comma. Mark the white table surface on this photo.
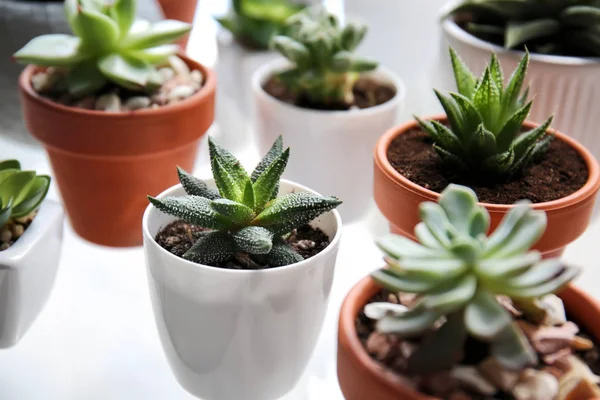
<point>96,338</point>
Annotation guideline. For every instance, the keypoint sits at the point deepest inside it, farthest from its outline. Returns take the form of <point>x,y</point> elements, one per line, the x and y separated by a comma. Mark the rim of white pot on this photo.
<point>32,235</point>
<point>261,75</point>
<point>452,29</point>
<point>149,238</point>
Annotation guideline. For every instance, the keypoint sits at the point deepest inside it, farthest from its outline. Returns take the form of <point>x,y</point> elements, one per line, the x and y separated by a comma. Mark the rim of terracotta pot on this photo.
<point>587,190</point>
<point>451,28</point>
<point>267,70</point>
<point>149,238</point>
<point>366,288</point>
<point>208,87</point>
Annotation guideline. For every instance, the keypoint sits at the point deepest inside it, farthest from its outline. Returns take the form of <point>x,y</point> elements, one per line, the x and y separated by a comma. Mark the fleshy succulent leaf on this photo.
<point>408,324</point>
<point>211,249</point>
<point>196,187</point>
<point>51,50</point>
<point>268,181</point>
<point>465,80</point>
<point>253,240</point>
<point>126,72</point>
<point>192,209</point>
<point>485,318</point>
<point>282,254</point>
<point>123,12</point>
<point>237,213</point>
<point>512,350</point>
<point>157,34</point>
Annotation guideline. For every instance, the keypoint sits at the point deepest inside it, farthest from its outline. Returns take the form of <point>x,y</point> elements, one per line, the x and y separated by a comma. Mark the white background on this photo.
<point>96,337</point>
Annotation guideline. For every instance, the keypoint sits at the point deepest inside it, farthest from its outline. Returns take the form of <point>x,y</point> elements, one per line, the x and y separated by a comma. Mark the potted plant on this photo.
<point>22,21</point>
<point>463,315</point>
<point>112,119</point>
<point>329,104</point>
<point>486,142</point>
<point>30,245</point>
<point>565,60</point>
<point>243,46</point>
<point>240,276</point>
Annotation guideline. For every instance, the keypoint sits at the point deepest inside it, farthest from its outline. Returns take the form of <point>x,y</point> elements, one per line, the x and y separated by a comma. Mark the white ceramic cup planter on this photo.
<point>566,87</point>
<point>237,334</point>
<point>27,273</point>
<point>332,151</point>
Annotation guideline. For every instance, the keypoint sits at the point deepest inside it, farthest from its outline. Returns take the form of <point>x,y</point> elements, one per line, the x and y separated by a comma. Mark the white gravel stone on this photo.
<point>179,93</point>
<point>137,102</point>
<point>166,73</point>
<point>197,77</point>
<point>108,102</point>
<point>536,385</point>
<point>179,66</point>
<point>43,81</point>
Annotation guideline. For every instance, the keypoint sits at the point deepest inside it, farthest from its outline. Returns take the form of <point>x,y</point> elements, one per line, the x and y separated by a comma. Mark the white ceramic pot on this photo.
<point>27,272</point>
<point>331,151</point>
<point>235,67</point>
<point>237,334</point>
<point>567,87</point>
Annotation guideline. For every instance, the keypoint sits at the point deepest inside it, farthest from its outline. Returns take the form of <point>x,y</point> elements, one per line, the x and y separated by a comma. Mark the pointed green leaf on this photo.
<point>518,33</point>
<point>485,318</point>
<point>496,72</point>
<point>427,126</point>
<point>494,269</point>
<point>291,49</point>
<point>10,165</point>
<point>450,159</point>
<point>5,213</point>
<point>396,282</point>
<point>282,254</point>
<point>451,298</point>
<point>97,31</point>
<point>126,72</point>
<point>34,196</point>
<point>409,324</point>
<point>195,186</point>
<point>398,247</point>
<point>479,222</point>
<point>294,210</point>
<point>192,209</point>
<point>248,195</point>
<point>434,268</point>
<point>499,164</point>
<point>458,203</point>
<point>85,78</point>
<point>528,139</point>
<point>268,181</point>
<point>231,164</point>
<point>54,50</point>
<point>538,274</point>
<point>351,36</point>
<point>524,234</point>
<point>512,127</point>
<point>211,249</point>
<point>237,213</point>
<point>512,91</point>
<point>453,112</point>
<point>446,139</point>
<point>465,80</point>
<point>15,186</point>
<point>228,186</point>
<point>434,216</point>
<point>549,287</point>
<point>159,33</point>
<point>155,55</point>
<point>483,143</point>
<point>273,153</point>
<point>253,240</point>
<point>487,100</point>
<point>512,349</point>
<point>425,237</point>
<point>123,11</point>
<point>472,117</point>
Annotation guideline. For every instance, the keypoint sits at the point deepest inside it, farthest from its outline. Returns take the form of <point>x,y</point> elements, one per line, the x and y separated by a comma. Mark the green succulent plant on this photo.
<point>107,46</point>
<point>21,192</point>
<point>561,27</point>
<point>254,22</point>
<point>324,68</point>
<point>458,271</point>
<point>484,137</point>
<point>245,216</point>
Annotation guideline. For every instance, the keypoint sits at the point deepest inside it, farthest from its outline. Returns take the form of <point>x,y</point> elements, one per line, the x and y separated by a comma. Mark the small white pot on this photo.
<point>27,272</point>
<point>568,87</point>
<point>238,334</point>
<point>235,67</point>
<point>331,151</point>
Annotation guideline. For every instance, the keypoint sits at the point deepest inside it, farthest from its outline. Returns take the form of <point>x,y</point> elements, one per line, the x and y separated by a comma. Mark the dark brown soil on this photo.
<point>475,352</point>
<point>367,93</point>
<point>179,236</point>
<point>560,172</point>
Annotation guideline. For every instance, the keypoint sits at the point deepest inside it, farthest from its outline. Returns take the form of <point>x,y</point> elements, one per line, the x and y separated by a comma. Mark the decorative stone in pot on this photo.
<point>414,163</point>
<point>332,115</point>
<point>565,62</point>
<point>112,125</point>
<point>242,304</point>
<point>30,247</point>
<point>462,315</point>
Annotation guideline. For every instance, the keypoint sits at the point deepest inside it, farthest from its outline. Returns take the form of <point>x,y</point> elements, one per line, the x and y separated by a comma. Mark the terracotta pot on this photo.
<point>180,10</point>
<point>398,198</point>
<point>362,378</point>
<point>106,163</point>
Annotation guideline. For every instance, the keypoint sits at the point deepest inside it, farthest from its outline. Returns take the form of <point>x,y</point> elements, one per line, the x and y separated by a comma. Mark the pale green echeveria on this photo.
<point>21,192</point>
<point>484,137</point>
<point>254,22</point>
<point>458,271</point>
<point>321,51</point>
<point>108,45</point>
<point>245,215</point>
<point>560,27</point>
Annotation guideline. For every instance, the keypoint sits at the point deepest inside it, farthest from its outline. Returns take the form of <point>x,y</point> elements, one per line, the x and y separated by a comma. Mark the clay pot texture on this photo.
<point>180,10</point>
<point>398,198</point>
<point>105,164</point>
<point>362,378</point>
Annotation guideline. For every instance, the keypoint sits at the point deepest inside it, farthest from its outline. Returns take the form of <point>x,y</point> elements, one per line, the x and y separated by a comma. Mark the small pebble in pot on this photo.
<point>166,73</point>
<point>305,244</point>
<point>17,230</point>
<point>179,66</point>
<point>87,103</point>
<point>137,102</point>
<point>197,77</point>
<point>5,235</point>
<point>108,102</point>
<point>5,246</point>
<point>179,93</point>
<point>43,81</point>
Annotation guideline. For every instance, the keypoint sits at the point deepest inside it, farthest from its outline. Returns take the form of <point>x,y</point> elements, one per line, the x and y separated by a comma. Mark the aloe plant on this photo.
<point>245,215</point>
<point>21,192</point>
<point>324,68</point>
<point>458,271</point>
<point>562,27</point>
<point>484,137</point>
<point>107,46</point>
<point>254,22</point>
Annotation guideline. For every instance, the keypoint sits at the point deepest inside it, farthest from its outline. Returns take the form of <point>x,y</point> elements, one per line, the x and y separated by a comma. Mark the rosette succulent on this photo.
<point>324,68</point>
<point>562,27</point>
<point>21,192</point>
<point>245,215</point>
<point>254,22</point>
<point>458,272</point>
<point>484,137</point>
<point>107,46</point>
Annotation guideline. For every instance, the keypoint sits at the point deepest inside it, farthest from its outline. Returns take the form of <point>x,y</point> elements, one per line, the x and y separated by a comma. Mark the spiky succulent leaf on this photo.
<point>251,221</point>
<point>324,68</point>
<point>107,46</point>
<point>212,249</point>
<point>21,192</point>
<point>485,120</point>
<point>456,269</point>
<point>546,27</point>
